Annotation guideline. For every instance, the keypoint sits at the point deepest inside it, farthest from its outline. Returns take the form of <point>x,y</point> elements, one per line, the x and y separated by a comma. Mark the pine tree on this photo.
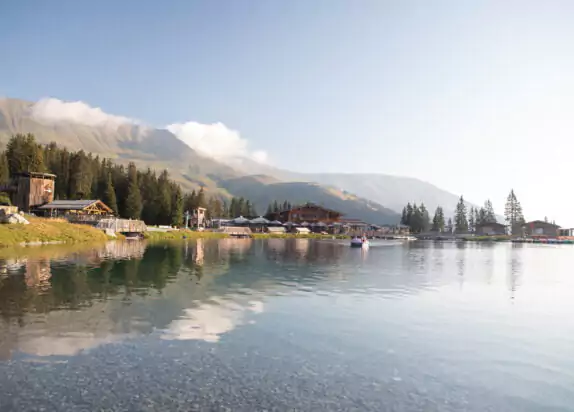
<point>404,219</point>
<point>285,205</point>
<point>425,218</point>
<point>109,194</point>
<point>449,227</point>
<point>269,211</point>
<point>409,214</point>
<point>201,201</point>
<point>233,208</point>
<point>489,215</point>
<point>471,221</point>
<point>513,214</point>
<point>24,154</point>
<point>460,219</point>
<point>246,208</point>
<point>4,170</point>
<point>133,202</point>
<point>164,199</point>
<point>176,206</point>
<point>438,220</point>
<point>275,207</point>
<point>415,219</point>
<point>218,208</point>
<point>80,186</point>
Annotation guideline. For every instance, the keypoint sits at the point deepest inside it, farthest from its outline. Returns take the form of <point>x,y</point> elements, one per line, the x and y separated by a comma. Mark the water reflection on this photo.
<point>56,302</point>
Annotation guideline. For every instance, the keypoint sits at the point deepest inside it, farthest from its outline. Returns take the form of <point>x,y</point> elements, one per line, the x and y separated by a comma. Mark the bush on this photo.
<point>5,199</point>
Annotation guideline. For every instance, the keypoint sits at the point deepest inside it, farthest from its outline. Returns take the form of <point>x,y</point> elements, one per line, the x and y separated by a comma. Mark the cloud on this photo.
<point>209,321</point>
<point>216,140</point>
<point>55,110</point>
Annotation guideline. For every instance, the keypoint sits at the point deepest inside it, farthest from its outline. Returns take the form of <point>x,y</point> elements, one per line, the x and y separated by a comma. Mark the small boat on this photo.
<point>358,242</point>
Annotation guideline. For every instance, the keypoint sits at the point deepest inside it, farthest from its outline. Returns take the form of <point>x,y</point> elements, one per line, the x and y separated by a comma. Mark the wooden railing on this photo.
<point>122,225</point>
<point>109,223</point>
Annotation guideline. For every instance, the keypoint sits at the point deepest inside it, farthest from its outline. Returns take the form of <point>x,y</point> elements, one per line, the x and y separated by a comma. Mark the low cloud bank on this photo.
<point>55,110</point>
<point>216,140</point>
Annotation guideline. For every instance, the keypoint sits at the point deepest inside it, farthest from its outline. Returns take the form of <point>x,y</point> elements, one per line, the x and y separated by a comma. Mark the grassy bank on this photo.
<point>188,234</point>
<point>294,236</point>
<point>488,238</point>
<point>183,234</point>
<point>48,231</point>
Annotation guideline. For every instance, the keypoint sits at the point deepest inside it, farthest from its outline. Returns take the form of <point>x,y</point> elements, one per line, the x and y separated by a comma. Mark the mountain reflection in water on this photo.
<point>454,324</point>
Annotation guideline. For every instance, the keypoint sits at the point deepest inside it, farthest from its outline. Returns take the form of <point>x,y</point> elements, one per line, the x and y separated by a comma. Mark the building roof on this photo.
<point>490,224</point>
<point>538,222</point>
<point>37,174</point>
<point>311,205</point>
<point>73,205</point>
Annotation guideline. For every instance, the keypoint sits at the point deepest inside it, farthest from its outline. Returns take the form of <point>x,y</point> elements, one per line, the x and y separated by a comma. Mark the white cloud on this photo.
<point>55,110</point>
<point>215,140</point>
<point>209,321</point>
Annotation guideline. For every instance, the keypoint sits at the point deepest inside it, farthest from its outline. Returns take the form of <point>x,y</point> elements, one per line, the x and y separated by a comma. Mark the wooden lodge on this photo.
<point>77,210</point>
<point>540,228</point>
<point>490,229</point>
<point>308,212</point>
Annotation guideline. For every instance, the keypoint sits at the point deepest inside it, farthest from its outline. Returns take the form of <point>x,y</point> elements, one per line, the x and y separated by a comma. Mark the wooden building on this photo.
<point>308,212</point>
<point>29,190</point>
<point>540,228</point>
<point>198,217</point>
<point>77,210</point>
<point>490,229</point>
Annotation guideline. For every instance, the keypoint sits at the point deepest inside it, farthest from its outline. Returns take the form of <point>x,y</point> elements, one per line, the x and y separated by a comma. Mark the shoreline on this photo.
<point>190,234</point>
<point>42,231</point>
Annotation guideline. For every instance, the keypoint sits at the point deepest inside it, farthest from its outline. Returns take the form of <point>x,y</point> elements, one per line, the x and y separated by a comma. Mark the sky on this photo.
<point>476,97</point>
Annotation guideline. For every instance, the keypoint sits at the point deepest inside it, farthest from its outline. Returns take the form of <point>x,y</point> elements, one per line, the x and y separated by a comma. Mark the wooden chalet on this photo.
<point>28,190</point>
<point>308,212</point>
<point>76,208</point>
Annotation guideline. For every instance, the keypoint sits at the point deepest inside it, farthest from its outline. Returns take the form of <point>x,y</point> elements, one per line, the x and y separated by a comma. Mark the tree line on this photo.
<point>463,221</point>
<point>276,207</point>
<point>129,192</point>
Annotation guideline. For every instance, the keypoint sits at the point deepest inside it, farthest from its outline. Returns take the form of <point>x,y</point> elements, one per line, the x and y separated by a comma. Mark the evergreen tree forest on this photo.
<point>416,217</point>
<point>129,192</point>
<point>513,213</point>
<point>276,207</point>
<point>464,220</point>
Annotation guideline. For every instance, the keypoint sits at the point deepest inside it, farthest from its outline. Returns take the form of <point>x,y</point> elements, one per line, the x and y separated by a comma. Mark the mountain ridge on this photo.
<point>125,141</point>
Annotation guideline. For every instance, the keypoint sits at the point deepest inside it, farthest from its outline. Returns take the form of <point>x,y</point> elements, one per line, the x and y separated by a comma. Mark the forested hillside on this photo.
<point>131,193</point>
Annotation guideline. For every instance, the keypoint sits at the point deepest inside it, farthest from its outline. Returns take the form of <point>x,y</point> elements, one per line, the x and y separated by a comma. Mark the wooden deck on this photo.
<point>236,231</point>
<point>112,224</point>
<point>122,225</point>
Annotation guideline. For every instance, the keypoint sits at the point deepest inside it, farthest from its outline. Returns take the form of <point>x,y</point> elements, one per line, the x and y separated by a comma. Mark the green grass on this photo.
<point>189,234</point>
<point>295,236</point>
<point>500,238</point>
<point>48,231</point>
<point>183,234</point>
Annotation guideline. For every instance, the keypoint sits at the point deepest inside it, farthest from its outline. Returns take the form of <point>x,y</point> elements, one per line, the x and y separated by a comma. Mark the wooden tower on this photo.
<point>32,189</point>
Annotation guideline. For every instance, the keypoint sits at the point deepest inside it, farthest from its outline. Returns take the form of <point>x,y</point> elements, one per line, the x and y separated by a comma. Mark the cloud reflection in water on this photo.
<point>211,319</point>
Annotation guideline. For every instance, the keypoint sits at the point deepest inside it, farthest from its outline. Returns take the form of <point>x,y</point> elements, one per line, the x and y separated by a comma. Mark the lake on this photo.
<point>294,324</point>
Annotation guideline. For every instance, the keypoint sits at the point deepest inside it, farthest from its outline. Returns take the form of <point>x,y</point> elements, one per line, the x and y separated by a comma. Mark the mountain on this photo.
<point>120,140</point>
<point>263,192</point>
<point>124,140</point>
<point>392,191</point>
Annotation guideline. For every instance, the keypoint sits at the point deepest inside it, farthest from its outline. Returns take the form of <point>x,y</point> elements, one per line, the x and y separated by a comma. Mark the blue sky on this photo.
<point>475,96</point>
